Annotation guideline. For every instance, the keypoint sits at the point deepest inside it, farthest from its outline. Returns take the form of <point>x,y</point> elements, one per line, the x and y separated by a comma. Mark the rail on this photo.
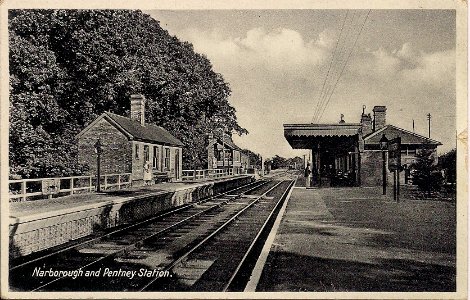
<point>25,189</point>
<point>199,210</point>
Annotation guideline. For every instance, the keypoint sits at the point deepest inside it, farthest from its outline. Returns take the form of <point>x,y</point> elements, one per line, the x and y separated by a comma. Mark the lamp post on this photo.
<point>219,120</point>
<point>98,151</point>
<point>383,146</point>
<point>223,150</point>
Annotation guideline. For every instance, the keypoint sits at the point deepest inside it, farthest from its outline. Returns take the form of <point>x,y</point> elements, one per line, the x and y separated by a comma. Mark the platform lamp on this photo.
<point>384,147</point>
<point>98,151</point>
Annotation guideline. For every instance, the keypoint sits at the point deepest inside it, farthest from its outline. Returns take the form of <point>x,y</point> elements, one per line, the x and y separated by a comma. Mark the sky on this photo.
<point>276,61</point>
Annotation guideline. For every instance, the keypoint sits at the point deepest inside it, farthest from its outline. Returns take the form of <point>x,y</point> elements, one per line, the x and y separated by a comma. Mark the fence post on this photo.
<point>71,186</point>
<point>23,190</point>
<point>91,183</point>
<point>105,182</point>
<point>119,181</point>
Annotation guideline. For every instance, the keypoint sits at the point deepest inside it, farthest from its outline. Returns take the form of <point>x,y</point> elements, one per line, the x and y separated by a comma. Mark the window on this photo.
<point>236,156</point>
<point>136,151</point>
<point>219,155</point>
<point>155,157</point>
<point>167,158</point>
<point>146,153</point>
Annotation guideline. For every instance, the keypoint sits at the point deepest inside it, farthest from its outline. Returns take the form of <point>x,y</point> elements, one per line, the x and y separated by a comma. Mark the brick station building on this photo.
<point>131,146</point>
<point>353,149</point>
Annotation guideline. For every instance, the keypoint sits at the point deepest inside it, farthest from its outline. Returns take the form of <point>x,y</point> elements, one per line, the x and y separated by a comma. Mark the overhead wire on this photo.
<point>344,66</point>
<point>331,63</point>
<point>337,65</point>
<point>343,52</point>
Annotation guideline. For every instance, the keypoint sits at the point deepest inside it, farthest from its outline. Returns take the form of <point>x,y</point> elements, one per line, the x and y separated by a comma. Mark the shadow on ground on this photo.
<point>317,274</point>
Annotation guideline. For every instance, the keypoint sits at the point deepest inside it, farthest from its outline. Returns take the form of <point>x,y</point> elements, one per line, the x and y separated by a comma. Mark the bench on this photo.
<point>161,176</point>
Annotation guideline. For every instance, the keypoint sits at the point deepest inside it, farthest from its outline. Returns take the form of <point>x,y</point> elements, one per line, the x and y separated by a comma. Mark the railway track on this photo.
<point>150,255</point>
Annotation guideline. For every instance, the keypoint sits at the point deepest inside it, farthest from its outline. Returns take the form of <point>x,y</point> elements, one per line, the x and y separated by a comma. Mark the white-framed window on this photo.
<point>146,153</point>
<point>136,150</point>
<point>167,159</point>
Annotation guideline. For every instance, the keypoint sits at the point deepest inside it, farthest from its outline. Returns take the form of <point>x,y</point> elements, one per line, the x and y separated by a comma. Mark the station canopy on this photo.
<point>309,136</point>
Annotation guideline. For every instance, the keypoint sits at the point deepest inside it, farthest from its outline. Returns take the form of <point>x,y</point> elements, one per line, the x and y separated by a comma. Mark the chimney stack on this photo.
<point>380,113</point>
<point>366,124</point>
<point>138,108</point>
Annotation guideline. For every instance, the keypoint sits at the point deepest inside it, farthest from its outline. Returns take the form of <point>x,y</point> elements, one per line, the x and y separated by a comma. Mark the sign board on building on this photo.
<point>50,186</point>
<point>394,154</point>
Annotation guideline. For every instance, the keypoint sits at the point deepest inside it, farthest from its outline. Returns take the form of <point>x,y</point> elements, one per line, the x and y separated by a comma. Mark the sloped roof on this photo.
<point>313,130</point>
<point>407,137</point>
<point>229,143</point>
<point>133,129</point>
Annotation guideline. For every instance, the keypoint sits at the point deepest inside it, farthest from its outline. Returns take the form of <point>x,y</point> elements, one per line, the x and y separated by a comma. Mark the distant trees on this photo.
<point>278,162</point>
<point>69,66</point>
<point>296,162</point>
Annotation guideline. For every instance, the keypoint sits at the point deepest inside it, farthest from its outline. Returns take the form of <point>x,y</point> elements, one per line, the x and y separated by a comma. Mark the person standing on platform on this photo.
<point>307,175</point>
<point>147,173</point>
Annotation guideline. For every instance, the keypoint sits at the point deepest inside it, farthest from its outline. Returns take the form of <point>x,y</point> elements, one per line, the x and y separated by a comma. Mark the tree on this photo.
<point>255,159</point>
<point>69,66</point>
<point>295,161</point>
<point>425,170</point>
<point>278,162</point>
<point>448,163</point>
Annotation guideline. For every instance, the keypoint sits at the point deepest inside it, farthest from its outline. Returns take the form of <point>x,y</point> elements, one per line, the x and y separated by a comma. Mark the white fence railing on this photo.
<point>206,174</point>
<point>22,189</point>
<point>39,188</point>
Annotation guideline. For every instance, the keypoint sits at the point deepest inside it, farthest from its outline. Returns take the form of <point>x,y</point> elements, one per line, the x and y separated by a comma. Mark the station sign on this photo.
<point>394,154</point>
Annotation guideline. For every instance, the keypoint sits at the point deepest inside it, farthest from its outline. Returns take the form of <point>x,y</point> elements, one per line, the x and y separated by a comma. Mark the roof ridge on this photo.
<point>400,129</point>
<point>149,131</point>
<point>414,133</point>
<point>375,132</point>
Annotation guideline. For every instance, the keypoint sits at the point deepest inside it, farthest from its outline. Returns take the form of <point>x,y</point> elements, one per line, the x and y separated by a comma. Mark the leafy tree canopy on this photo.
<point>69,66</point>
<point>425,173</point>
<point>255,159</point>
<point>448,163</point>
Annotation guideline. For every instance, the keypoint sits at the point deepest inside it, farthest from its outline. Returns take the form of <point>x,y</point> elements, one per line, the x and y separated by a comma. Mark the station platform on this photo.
<point>41,224</point>
<point>356,239</point>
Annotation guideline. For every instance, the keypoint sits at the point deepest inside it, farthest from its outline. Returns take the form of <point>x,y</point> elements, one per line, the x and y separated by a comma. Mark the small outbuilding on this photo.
<point>226,155</point>
<point>129,145</point>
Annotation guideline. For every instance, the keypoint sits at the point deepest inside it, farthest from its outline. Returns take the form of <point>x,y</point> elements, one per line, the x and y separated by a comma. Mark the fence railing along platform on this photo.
<point>207,174</point>
<point>39,188</point>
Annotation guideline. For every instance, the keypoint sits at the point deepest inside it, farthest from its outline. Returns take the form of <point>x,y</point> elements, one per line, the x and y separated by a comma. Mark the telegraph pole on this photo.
<point>429,125</point>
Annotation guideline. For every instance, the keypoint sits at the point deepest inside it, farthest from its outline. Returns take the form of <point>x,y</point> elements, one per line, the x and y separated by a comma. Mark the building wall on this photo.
<point>116,156</point>
<point>139,161</point>
<point>371,168</point>
<point>211,160</point>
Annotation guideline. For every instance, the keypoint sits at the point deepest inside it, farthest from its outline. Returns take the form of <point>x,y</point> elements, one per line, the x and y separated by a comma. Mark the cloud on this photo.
<point>408,67</point>
<point>279,50</point>
<point>276,77</point>
<point>436,69</point>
